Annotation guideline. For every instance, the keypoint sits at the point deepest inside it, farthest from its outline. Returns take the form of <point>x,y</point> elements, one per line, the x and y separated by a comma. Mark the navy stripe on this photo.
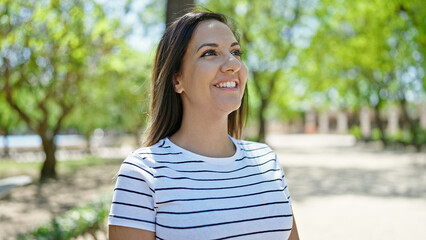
<point>212,198</point>
<point>162,145</point>
<point>219,188</point>
<point>239,159</point>
<point>249,150</point>
<point>222,223</point>
<point>139,167</point>
<point>212,171</point>
<point>190,161</point>
<point>200,161</point>
<point>224,209</point>
<point>252,233</point>
<point>127,190</point>
<point>133,219</point>
<point>216,179</point>
<point>135,178</point>
<point>150,153</point>
<point>132,205</point>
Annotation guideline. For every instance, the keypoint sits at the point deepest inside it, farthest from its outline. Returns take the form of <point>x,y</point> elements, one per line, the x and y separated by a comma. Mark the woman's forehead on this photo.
<point>212,31</point>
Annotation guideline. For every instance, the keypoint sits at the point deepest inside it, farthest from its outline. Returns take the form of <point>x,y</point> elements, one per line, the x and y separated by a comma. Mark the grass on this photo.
<point>12,168</point>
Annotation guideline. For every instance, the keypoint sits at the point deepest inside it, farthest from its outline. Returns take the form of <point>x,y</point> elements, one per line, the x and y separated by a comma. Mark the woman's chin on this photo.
<point>229,107</point>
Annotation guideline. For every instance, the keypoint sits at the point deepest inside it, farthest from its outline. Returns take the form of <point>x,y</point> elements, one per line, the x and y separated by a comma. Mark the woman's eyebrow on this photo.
<point>214,45</point>
<point>207,44</point>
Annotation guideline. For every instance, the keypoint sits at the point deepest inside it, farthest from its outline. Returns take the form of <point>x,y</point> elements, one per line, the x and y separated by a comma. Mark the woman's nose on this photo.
<point>231,63</point>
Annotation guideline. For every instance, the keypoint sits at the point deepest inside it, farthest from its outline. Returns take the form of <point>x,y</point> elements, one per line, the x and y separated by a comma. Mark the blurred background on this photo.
<point>336,87</point>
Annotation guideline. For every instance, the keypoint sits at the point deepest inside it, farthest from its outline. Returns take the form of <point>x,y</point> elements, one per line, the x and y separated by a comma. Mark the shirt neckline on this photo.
<point>210,160</point>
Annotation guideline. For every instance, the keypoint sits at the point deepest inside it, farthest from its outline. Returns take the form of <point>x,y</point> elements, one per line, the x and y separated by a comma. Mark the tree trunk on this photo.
<point>262,122</point>
<point>48,170</point>
<point>177,8</point>
<point>6,153</point>
<point>411,125</point>
<point>380,123</point>
<point>88,149</point>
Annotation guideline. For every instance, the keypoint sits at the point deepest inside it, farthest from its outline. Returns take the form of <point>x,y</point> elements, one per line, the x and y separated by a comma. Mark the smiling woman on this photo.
<point>193,178</point>
<point>211,65</point>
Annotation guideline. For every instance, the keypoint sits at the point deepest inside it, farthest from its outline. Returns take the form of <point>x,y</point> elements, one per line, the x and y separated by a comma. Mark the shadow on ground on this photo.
<point>407,181</point>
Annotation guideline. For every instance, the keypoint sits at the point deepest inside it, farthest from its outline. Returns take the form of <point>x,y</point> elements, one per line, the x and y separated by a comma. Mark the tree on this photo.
<point>48,49</point>
<point>364,54</point>
<point>9,121</point>
<point>120,100</point>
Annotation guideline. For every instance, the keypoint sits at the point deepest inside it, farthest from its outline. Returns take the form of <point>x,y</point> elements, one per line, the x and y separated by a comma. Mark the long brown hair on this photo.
<point>166,107</point>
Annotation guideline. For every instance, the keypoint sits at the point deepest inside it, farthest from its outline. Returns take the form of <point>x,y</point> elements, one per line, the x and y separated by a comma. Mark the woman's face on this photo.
<point>213,77</point>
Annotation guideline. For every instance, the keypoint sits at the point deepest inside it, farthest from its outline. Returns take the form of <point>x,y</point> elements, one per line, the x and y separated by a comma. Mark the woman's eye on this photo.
<point>208,53</point>
<point>237,53</point>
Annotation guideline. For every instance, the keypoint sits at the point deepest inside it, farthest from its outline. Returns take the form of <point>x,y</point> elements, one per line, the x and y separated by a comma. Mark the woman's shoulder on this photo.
<point>146,155</point>
<point>160,146</point>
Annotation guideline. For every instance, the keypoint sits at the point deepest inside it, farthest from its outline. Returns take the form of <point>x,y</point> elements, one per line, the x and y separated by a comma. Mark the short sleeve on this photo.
<point>284,183</point>
<point>133,202</point>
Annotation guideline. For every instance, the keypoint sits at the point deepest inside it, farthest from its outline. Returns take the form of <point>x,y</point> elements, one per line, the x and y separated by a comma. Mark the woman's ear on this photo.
<point>177,82</point>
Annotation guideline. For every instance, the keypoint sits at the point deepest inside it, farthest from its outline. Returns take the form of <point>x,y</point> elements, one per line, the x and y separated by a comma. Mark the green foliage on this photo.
<point>65,64</point>
<point>376,134</point>
<point>9,120</point>
<point>379,50</point>
<point>367,53</point>
<point>398,136</point>
<point>76,222</point>
<point>406,136</point>
<point>327,54</point>
<point>356,132</point>
<point>120,99</point>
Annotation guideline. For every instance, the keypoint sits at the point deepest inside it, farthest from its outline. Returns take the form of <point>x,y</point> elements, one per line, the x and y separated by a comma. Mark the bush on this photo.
<point>398,136</point>
<point>376,134</point>
<point>356,132</point>
<point>76,222</point>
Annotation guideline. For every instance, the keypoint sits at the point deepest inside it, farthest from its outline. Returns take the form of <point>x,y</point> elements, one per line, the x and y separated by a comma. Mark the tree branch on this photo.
<point>9,96</point>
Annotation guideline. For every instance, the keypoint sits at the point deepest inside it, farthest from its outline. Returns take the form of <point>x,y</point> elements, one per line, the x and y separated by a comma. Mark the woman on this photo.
<point>194,179</point>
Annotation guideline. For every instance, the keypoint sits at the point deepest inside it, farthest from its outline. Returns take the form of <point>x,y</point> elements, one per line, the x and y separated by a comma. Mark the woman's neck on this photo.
<point>207,136</point>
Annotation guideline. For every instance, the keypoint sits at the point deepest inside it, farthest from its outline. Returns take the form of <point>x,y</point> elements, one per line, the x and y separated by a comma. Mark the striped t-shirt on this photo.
<point>182,195</point>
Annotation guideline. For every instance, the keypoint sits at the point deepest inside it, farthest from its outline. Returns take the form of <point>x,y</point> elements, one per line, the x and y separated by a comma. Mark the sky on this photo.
<point>138,40</point>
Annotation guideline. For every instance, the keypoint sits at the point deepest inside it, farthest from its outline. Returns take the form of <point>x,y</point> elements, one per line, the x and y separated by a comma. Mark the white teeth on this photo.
<point>226,85</point>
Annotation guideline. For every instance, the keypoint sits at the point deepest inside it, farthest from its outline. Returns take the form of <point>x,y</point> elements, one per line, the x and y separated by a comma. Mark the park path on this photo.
<point>347,191</point>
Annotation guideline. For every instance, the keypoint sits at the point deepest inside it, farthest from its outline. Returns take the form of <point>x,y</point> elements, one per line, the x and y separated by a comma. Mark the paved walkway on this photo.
<point>346,191</point>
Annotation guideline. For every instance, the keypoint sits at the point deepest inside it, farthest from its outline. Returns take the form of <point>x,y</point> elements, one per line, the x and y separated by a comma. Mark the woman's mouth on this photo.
<point>230,84</point>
